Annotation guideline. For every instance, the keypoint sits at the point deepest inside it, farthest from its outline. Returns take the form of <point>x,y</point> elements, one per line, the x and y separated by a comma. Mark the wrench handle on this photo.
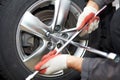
<point>32,75</point>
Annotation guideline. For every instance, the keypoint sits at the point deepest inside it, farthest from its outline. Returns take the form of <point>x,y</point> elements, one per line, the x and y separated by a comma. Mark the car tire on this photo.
<point>12,68</point>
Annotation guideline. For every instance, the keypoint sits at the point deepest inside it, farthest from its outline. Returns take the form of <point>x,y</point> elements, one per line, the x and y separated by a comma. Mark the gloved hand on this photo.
<point>52,63</point>
<point>88,16</point>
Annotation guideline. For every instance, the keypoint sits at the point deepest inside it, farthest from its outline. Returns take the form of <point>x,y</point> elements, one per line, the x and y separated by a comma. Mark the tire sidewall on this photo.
<point>11,13</point>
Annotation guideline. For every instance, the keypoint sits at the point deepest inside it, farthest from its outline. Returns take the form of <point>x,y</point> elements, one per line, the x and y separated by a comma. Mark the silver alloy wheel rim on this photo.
<point>43,41</point>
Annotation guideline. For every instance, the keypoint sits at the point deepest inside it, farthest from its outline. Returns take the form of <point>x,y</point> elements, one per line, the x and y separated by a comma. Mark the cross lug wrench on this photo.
<point>59,50</point>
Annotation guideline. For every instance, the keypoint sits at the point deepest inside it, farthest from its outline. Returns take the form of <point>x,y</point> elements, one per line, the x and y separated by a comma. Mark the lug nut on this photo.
<point>50,45</point>
<point>64,35</point>
<point>57,28</point>
<point>47,34</point>
<point>59,45</point>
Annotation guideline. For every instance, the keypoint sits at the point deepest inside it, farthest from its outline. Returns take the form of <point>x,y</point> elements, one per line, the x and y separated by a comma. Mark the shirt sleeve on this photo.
<point>101,3</point>
<point>100,69</point>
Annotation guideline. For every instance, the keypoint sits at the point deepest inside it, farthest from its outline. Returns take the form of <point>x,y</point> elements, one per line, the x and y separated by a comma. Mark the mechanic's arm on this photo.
<point>87,15</point>
<point>90,68</point>
<point>95,68</point>
<point>92,7</point>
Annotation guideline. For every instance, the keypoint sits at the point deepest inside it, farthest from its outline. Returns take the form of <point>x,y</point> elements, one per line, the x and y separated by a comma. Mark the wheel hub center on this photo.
<point>54,41</point>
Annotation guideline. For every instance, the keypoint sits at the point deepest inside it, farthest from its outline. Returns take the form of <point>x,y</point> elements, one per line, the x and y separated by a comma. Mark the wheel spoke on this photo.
<point>62,8</point>
<point>38,53</point>
<point>33,25</point>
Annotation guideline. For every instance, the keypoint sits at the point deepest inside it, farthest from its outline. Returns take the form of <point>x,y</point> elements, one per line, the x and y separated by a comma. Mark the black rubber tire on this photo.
<point>11,66</point>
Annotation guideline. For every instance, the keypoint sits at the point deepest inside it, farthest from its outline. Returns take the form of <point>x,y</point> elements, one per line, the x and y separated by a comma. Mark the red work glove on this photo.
<point>88,16</point>
<point>51,63</point>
